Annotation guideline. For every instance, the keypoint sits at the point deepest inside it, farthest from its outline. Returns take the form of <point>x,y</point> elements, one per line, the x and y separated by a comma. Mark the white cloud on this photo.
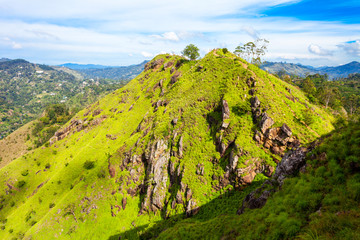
<point>317,50</point>
<point>16,45</point>
<point>171,36</point>
<point>147,54</point>
<point>9,42</point>
<point>352,48</point>
<point>251,32</point>
<point>108,31</point>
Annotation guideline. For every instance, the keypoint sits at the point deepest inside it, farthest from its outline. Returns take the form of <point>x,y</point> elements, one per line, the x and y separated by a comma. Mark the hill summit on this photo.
<point>174,139</point>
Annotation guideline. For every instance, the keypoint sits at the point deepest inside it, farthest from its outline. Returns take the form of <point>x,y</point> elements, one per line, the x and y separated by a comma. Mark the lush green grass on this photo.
<point>322,203</point>
<point>68,191</point>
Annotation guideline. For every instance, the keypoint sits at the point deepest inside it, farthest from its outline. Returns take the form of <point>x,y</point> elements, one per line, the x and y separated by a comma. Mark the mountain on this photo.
<point>342,70</point>
<point>27,88</point>
<point>289,68</point>
<point>182,139</point>
<point>301,70</point>
<point>107,72</point>
<point>76,66</point>
<point>4,59</point>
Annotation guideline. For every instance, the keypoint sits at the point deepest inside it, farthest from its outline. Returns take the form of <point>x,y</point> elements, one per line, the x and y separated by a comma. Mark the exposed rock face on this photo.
<point>225,114</point>
<point>124,202</point>
<point>265,123</point>
<point>154,64</point>
<point>180,152</point>
<point>255,103</point>
<point>175,77</point>
<point>192,208</point>
<point>157,176</point>
<point>257,198</point>
<point>290,164</point>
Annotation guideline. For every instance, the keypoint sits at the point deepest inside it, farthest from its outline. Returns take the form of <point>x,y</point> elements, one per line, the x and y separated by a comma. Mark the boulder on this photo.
<point>258,137</point>
<point>290,164</point>
<point>255,103</point>
<point>286,130</point>
<point>175,77</point>
<point>265,123</point>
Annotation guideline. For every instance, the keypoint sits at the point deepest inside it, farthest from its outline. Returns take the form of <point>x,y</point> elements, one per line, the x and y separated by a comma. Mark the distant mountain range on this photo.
<point>76,66</point>
<point>301,70</point>
<point>109,72</point>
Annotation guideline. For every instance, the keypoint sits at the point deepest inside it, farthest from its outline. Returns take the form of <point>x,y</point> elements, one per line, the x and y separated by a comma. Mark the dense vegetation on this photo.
<point>344,92</point>
<point>158,148</point>
<point>26,89</point>
<point>320,203</point>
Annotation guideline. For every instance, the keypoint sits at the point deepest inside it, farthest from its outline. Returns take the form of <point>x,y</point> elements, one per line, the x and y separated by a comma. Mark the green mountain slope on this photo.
<point>320,202</point>
<point>27,88</point>
<point>174,139</point>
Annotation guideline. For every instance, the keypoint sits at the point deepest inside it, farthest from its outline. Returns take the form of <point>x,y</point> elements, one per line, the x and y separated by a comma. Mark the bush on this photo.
<point>89,164</point>
<point>21,183</point>
<point>51,205</point>
<point>47,165</point>
<point>25,172</point>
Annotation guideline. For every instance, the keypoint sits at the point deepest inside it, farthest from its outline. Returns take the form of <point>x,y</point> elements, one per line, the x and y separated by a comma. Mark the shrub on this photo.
<point>47,165</point>
<point>25,172</point>
<point>89,164</point>
<point>51,205</point>
<point>21,183</point>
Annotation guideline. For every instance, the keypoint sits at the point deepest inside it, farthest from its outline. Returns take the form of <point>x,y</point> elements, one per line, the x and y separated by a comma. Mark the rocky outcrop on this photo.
<point>277,139</point>
<point>290,164</point>
<point>156,176</point>
<point>175,77</point>
<point>154,64</point>
<point>191,208</point>
<point>225,114</point>
<point>265,123</point>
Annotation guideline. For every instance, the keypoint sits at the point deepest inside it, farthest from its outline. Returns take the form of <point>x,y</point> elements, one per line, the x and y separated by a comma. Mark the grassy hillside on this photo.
<point>321,202</point>
<point>178,137</point>
<point>16,144</point>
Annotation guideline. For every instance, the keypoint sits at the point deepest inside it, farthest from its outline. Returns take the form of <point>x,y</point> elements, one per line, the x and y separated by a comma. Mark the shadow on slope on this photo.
<point>225,204</point>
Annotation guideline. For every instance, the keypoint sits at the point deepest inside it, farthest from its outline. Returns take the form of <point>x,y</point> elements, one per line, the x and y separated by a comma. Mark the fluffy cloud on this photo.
<point>107,32</point>
<point>147,54</point>
<point>317,50</point>
<point>171,36</point>
<point>352,48</point>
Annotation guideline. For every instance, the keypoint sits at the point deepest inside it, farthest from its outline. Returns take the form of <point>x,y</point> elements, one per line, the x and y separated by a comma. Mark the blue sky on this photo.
<point>117,32</point>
